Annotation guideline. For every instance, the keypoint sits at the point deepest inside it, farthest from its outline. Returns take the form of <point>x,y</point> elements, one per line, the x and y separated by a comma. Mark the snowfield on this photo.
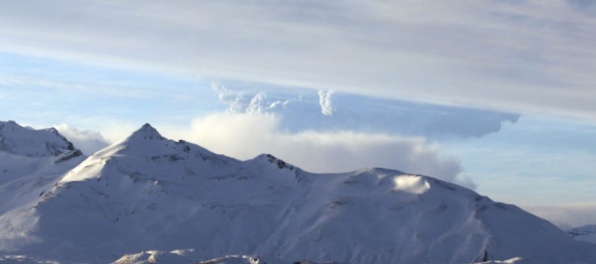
<point>149,199</point>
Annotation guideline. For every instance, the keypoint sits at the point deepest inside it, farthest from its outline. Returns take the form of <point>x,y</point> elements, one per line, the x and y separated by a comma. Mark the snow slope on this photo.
<point>31,162</point>
<point>153,195</point>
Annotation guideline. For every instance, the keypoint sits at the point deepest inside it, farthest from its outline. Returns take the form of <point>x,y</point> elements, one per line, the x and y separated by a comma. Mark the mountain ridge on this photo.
<point>148,192</point>
<point>25,141</point>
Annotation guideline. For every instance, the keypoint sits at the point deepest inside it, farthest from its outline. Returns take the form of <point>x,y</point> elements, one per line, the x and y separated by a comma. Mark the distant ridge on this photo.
<point>19,140</point>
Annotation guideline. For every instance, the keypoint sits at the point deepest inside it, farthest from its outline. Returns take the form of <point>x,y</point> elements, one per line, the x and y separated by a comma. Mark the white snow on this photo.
<point>156,256</point>
<point>30,162</point>
<point>509,261</point>
<point>152,195</point>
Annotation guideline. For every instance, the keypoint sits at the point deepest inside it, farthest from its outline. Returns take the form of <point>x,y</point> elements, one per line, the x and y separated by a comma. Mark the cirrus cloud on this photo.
<point>528,56</point>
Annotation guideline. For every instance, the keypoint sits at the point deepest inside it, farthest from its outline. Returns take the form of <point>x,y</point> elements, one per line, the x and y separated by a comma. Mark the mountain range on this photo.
<point>150,199</point>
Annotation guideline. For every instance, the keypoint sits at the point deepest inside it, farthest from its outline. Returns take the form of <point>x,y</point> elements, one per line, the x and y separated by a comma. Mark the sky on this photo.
<point>496,95</point>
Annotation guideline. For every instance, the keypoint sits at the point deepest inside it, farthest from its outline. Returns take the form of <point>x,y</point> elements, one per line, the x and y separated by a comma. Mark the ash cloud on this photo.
<point>325,102</point>
<point>245,136</point>
<point>332,111</point>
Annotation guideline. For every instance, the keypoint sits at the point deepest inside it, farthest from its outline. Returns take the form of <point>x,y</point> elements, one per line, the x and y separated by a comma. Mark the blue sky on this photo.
<point>494,95</point>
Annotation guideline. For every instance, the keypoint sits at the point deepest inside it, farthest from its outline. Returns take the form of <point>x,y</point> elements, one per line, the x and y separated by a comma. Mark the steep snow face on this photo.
<point>151,193</point>
<point>585,233</point>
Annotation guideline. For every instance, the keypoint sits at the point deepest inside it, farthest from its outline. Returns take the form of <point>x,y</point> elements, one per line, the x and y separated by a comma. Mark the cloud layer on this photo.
<point>86,140</point>
<point>245,136</point>
<point>529,55</point>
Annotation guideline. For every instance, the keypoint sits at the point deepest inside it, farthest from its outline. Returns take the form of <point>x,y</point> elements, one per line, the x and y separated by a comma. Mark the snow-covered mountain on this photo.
<point>149,197</point>
<point>584,233</point>
<point>31,161</point>
<point>24,141</point>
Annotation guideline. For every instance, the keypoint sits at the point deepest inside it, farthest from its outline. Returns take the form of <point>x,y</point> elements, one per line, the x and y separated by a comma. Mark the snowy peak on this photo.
<point>146,132</point>
<point>148,192</point>
<point>147,141</point>
<point>26,141</point>
<point>146,154</point>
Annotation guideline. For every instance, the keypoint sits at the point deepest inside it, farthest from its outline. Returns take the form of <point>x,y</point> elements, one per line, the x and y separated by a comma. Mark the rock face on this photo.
<point>151,193</point>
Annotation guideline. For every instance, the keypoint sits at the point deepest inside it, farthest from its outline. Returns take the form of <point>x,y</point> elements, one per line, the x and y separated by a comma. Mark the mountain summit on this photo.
<point>29,142</point>
<point>150,193</point>
<point>146,132</point>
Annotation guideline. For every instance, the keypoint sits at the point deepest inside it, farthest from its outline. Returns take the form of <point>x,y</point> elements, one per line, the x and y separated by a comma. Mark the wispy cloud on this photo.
<point>515,55</point>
